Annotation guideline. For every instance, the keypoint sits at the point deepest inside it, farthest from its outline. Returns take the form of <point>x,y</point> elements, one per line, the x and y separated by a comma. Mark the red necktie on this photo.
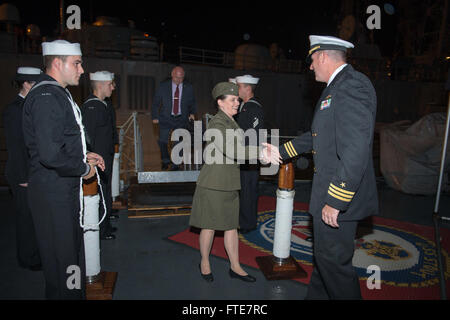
<point>176,99</point>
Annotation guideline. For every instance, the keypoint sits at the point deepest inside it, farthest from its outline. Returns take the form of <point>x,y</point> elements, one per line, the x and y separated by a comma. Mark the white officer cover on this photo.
<point>314,40</point>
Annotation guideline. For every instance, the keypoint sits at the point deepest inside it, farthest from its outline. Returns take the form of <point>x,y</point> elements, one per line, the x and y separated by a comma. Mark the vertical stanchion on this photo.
<point>99,284</point>
<point>436,217</point>
<point>281,265</point>
<point>91,231</point>
<point>115,185</point>
<point>136,155</point>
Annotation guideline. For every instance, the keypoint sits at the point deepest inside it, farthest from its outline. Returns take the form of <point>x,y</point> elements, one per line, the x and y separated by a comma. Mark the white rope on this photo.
<point>103,202</point>
<point>77,114</point>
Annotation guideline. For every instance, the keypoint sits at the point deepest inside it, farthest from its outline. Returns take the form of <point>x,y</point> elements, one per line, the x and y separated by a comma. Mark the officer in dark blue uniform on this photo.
<point>55,139</point>
<point>250,116</point>
<point>98,121</point>
<point>16,170</point>
<point>344,187</point>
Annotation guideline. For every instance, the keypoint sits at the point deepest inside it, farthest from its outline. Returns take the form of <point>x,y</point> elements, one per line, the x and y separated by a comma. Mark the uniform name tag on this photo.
<point>325,103</point>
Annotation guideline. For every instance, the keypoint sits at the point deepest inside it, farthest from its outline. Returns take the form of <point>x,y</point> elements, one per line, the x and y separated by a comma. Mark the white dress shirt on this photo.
<point>180,89</point>
<point>335,73</point>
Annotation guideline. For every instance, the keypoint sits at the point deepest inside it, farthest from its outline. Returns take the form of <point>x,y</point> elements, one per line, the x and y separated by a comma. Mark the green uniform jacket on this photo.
<point>223,154</point>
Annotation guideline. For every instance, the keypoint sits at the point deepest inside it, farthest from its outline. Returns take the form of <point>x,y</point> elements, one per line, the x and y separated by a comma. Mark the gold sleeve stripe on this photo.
<point>287,150</point>
<point>337,197</point>
<point>340,193</point>
<point>341,190</point>
<point>291,146</point>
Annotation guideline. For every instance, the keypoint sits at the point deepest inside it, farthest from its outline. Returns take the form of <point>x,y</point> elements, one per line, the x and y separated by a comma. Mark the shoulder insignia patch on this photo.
<point>255,122</point>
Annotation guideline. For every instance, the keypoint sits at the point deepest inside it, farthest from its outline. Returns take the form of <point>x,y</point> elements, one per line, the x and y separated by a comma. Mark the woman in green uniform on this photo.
<point>216,200</point>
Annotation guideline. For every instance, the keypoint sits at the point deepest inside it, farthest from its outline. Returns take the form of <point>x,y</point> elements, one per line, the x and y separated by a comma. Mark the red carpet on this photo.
<point>404,252</point>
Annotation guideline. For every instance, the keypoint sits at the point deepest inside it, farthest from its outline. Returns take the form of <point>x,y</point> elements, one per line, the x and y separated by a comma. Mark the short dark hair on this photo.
<point>49,59</point>
<point>93,85</point>
<point>222,97</point>
<point>18,84</point>
<point>253,86</point>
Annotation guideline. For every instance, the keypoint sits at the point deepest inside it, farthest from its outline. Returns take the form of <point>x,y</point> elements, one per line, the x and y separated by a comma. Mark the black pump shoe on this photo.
<point>247,278</point>
<point>208,277</point>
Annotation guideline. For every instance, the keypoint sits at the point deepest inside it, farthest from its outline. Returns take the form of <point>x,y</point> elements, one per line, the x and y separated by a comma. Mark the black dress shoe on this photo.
<point>164,166</point>
<point>207,277</point>
<point>108,236</point>
<point>247,278</point>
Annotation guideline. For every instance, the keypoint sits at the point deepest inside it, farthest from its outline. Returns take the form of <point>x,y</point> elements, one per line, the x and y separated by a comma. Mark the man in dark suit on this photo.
<point>173,107</point>
<point>16,170</point>
<point>344,187</point>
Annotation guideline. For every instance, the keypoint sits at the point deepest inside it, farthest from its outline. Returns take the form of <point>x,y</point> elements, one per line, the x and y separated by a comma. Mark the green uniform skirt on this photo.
<point>214,209</point>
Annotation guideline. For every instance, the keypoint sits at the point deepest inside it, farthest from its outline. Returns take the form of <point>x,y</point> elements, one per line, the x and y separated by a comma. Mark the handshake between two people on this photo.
<point>94,160</point>
<point>270,154</point>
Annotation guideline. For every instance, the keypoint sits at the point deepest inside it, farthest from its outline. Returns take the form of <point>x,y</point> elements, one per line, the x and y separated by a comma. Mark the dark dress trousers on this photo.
<point>54,142</point>
<point>98,123</point>
<point>250,116</point>
<point>341,140</point>
<point>162,110</point>
<point>16,172</point>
